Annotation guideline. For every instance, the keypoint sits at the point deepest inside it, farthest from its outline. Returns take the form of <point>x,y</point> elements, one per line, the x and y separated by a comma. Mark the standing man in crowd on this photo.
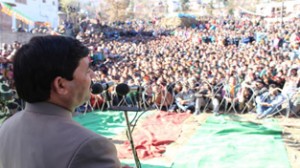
<point>52,75</point>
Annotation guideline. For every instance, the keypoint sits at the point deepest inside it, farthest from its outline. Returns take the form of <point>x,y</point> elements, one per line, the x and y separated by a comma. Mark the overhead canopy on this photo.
<point>8,10</point>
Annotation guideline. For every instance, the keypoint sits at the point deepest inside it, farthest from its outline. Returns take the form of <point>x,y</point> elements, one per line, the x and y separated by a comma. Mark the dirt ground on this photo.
<point>291,137</point>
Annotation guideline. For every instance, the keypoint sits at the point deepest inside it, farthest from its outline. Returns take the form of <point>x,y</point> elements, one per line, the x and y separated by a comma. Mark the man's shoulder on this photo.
<point>10,121</point>
<point>55,125</point>
<point>74,127</point>
<point>95,151</point>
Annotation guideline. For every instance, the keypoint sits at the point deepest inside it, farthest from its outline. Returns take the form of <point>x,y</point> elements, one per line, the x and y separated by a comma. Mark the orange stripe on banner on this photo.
<point>6,11</point>
<point>18,16</point>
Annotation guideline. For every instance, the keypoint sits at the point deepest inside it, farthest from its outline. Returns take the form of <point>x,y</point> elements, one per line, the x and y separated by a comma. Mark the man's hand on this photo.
<point>183,102</point>
<point>266,104</point>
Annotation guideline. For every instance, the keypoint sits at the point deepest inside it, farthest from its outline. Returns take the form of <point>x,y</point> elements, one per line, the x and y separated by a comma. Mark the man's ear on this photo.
<point>59,85</point>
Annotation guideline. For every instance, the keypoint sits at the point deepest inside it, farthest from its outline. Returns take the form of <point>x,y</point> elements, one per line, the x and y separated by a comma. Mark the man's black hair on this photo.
<point>40,61</point>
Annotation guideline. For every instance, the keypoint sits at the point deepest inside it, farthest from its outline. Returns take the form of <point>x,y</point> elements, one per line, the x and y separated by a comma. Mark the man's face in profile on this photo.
<point>80,85</point>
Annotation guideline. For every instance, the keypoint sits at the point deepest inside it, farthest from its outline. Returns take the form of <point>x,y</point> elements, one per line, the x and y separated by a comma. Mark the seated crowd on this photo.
<point>221,64</point>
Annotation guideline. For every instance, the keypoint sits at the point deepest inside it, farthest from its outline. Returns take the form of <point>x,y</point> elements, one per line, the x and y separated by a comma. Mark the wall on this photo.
<point>5,22</point>
<point>39,11</point>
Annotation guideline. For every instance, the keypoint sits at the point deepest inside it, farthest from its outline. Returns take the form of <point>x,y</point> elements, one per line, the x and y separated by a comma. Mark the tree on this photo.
<point>184,5</point>
<point>210,8</point>
<point>117,9</point>
<point>231,7</point>
<point>71,7</point>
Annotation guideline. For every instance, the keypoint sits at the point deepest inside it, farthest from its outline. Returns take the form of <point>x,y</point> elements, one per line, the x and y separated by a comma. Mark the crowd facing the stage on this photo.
<point>219,64</point>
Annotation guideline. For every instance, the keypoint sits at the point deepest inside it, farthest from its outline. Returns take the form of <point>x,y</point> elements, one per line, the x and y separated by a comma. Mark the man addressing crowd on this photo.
<point>52,75</point>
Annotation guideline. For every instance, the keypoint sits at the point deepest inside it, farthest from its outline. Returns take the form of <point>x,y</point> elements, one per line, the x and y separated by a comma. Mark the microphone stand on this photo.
<point>108,99</point>
<point>129,132</point>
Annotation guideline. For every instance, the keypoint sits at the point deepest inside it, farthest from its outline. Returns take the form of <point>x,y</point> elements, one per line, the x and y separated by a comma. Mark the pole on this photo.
<point>125,109</point>
<point>282,6</point>
<point>136,160</point>
<point>1,26</point>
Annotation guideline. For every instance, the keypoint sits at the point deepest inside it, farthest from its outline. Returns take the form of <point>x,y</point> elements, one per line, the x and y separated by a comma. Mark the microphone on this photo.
<point>123,89</point>
<point>98,88</point>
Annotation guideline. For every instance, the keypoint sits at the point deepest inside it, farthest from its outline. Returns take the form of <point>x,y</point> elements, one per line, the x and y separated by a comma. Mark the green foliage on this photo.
<point>117,9</point>
<point>70,5</point>
<point>230,11</point>
<point>184,5</point>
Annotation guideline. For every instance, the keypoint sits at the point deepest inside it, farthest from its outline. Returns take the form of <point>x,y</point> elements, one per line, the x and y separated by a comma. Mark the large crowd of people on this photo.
<point>220,64</point>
